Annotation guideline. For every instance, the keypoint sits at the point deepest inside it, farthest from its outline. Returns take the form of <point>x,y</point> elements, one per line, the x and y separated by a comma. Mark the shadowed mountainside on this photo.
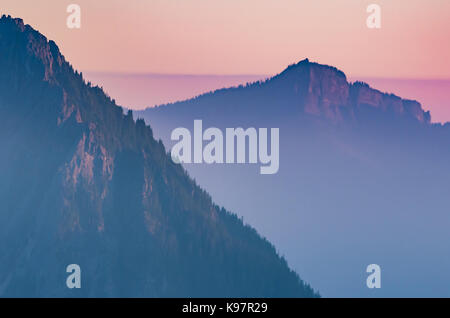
<point>82,182</point>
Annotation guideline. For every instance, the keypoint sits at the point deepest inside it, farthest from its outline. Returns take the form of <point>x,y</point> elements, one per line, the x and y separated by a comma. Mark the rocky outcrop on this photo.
<point>362,95</point>
<point>324,91</point>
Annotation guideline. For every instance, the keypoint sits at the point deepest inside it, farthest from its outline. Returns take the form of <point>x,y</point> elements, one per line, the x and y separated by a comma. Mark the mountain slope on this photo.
<point>363,178</point>
<point>83,183</point>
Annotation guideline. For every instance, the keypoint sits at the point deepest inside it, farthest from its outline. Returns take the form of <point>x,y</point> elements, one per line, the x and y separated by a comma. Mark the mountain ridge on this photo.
<point>84,183</point>
<point>328,93</point>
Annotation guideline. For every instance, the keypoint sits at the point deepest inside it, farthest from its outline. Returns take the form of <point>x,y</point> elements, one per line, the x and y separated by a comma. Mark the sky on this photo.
<point>247,36</point>
<point>229,42</point>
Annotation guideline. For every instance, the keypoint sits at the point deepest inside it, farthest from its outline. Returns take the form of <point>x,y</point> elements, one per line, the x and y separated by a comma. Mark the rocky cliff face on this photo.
<point>84,183</point>
<point>363,95</point>
<point>324,91</point>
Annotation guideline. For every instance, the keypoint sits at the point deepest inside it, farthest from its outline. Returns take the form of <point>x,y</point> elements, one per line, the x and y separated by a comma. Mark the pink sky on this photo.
<point>247,36</point>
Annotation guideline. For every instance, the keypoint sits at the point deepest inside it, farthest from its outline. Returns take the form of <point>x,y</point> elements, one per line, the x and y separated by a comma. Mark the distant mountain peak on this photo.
<point>324,90</point>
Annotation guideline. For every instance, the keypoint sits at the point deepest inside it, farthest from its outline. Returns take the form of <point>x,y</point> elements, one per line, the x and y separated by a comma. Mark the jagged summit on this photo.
<point>317,66</point>
<point>37,44</point>
<point>40,52</point>
<point>17,21</point>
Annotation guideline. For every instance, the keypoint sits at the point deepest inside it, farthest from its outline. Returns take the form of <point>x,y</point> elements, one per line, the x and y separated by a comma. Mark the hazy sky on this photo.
<point>247,36</point>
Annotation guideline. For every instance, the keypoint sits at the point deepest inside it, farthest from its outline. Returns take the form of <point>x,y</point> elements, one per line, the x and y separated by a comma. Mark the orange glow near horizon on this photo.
<point>247,36</point>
